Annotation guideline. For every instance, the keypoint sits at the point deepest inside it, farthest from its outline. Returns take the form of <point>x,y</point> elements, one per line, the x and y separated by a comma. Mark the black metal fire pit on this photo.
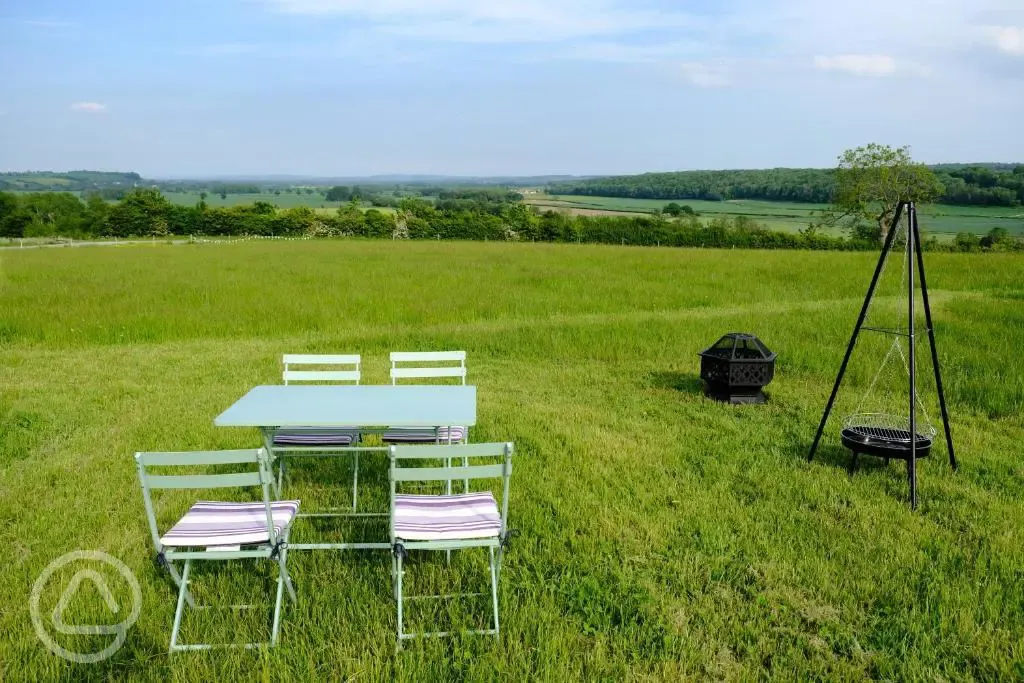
<point>736,368</point>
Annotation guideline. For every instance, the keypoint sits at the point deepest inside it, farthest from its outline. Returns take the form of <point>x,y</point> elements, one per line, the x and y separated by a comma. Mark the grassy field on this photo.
<point>939,220</point>
<point>663,536</point>
<point>285,200</point>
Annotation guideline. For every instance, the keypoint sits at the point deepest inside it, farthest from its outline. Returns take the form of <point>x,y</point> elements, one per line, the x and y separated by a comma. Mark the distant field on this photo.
<point>285,200</point>
<point>936,219</point>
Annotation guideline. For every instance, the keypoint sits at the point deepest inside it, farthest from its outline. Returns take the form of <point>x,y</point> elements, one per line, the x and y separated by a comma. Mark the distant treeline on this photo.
<point>485,214</point>
<point>987,185</point>
<point>73,181</point>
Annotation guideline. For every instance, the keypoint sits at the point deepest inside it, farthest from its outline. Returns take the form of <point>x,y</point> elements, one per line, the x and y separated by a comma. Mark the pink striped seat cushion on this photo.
<point>211,523</point>
<point>445,518</point>
<point>315,437</point>
<point>423,435</point>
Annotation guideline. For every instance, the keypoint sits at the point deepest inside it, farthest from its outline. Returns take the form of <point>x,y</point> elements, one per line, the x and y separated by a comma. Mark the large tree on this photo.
<point>143,211</point>
<point>871,181</point>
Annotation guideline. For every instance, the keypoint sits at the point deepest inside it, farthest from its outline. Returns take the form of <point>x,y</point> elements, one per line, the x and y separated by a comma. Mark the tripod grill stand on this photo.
<point>896,440</point>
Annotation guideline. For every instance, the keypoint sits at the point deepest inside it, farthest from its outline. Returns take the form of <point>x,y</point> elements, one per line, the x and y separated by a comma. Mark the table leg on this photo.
<point>268,443</point>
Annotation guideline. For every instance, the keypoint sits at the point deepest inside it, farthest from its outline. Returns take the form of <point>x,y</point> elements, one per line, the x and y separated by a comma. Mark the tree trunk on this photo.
<point>884,222</point>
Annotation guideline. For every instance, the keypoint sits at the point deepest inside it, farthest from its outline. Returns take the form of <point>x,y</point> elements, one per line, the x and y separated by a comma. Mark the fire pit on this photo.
<point>736,368</point>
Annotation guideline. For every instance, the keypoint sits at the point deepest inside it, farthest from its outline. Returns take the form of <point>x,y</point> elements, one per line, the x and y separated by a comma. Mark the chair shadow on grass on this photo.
<point>686,382</point>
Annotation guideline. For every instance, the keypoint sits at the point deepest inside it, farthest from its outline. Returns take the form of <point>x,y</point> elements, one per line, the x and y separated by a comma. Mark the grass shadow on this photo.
<point>686,382</point>
<point>839,457</point>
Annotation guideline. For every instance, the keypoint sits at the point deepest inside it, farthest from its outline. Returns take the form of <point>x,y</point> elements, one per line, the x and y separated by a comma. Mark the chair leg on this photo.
<point>285,576</point>
<point>398,595</point>
<point>355,480</point>
<point>173,571</point>
<point>494,588</point>
<point>279,484</point>
<point>394,576</point>
<point>180,608</point>
<point>281,580</point>
<point>465,482</point>
<point>501,556</point>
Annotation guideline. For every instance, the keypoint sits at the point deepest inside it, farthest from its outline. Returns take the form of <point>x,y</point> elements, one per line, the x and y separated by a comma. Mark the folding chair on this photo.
<point>310,440</point>
<point>448,522</point>
<point>217,531</point>
<point>401,369</point>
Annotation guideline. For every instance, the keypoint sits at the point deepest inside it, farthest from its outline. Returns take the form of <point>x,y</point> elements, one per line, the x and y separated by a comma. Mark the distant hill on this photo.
<point>381,179</point>
<point>982,184</point>
<point>72,181</point>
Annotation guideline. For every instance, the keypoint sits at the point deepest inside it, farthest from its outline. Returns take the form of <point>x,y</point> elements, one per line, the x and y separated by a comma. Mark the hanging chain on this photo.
<point>885,361</point>
<point>917,396</point>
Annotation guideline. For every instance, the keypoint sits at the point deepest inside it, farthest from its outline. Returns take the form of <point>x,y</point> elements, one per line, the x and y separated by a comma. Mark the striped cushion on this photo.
<point>315,437</point>
<point>437,518</point>
<point>421,435</point>
<point>213,523</point>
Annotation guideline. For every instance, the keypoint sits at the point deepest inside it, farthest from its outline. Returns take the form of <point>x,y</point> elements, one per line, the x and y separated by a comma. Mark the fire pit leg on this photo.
<point>853,463</point>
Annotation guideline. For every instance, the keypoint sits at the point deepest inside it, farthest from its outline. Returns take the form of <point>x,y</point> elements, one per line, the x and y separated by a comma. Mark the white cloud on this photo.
<point>1008,39</point>
<point>89,107</point>
<point>504,21</point>
<point>861,65</point>
<point>705,75</point>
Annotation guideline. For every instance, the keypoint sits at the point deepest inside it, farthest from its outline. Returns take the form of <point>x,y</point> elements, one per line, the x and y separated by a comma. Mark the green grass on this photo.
<point>940,220</point>
<point>663,536</point>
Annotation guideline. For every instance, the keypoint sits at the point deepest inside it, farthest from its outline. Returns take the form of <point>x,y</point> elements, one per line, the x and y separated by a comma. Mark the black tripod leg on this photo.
<point>853,463</point>
<point>912,481</point>
<point>856,331</point>
<point>935,353</point>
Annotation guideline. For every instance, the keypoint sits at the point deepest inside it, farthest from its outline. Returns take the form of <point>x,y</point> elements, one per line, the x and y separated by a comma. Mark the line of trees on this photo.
<point>974,185</point>
<point>72,181</point>
<point>465,215</point>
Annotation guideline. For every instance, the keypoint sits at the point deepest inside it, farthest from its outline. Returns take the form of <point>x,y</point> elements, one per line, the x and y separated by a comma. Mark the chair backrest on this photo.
<point>257,475</point>
<point>433,371</point>
<point>498,458</point>
<point>346,368</point>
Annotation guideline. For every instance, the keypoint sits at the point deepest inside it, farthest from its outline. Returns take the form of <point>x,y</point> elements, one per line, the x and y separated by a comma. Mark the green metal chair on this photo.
<point>218,531</point>
<point>448,522</point>
<point>429,366</point>
<point>308,441</point>
<point>409,365</point>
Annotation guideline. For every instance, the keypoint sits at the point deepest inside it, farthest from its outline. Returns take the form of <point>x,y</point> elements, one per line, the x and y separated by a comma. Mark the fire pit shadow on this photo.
<point>686,382</point>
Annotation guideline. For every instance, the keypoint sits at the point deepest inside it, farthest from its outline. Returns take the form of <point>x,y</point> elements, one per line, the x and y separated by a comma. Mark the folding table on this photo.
<point>367,407</point>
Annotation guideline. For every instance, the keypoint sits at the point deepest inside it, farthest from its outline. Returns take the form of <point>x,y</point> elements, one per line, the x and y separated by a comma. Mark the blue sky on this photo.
<point>478,87</point>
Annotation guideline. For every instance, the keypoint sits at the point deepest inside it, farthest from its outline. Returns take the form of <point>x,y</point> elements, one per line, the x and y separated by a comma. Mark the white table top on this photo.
<point>364,405</point>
